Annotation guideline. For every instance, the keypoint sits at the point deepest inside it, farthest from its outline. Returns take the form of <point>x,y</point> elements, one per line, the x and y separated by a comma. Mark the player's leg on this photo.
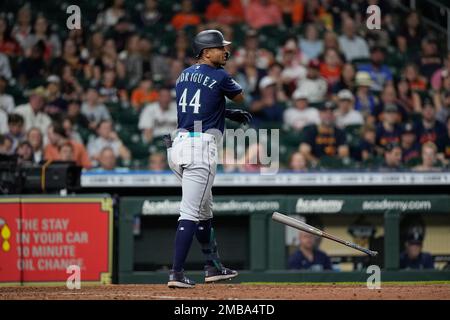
<point>184,234</point>
<point>205,234</point>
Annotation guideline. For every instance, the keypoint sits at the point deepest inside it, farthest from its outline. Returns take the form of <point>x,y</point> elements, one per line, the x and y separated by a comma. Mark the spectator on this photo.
<point>365,101</point>
<point>330,41</point>
<point>8,45</point>
<point>107,160</point>
<point>93,109</point>
<point>70,87</point>
<point>121,32</point>
<point>143,94</point>
<point>292,60</point>
<point>352,45</point>
<point>108,61</point>
<point>183,49</point>
<point>263,57</point>
<point>380,73</point>
<point>367,145</point>
<point>36,140</point>
<point>176,67</point>
<point>300,114</point>
<point>157,162</point>
<point>346,115</point>
<point>158,118</point>
<point>70,131</point>
<point>186,17</point>
<point>388,131</point>
<point>331,67</point>
<point>154,65</point>
<point>311,45</point>
<point>389,97</point>
<point>3,122</point>
<point>24,152</point>
<point>252,158</point>
<point>55,105</point>
<point>429,158</point>
<point>298,162</point>
<point>226,12</point>
<point>107,137</point>
<point>413,257</point>
<point>416,81</point>
<point>346,79</point>
<point>111,16</point>
<point>440,74</point>
<point>66,152</point>
<point>267,107</point>
<point>314,84</point>
<point>22,29</point>
<point>16,130</point>
<point>41,33</point>
<point>307,257</point>
<point>251,73</point>
<point>57,137</point>
<point>133,60</point>
<point>293,12</point>
<point>445,155</point>
<point>392,157</point>
<point>442,103</point>
<point>324,139</point>
<point>413,32</point>
<point>429,61</point>
<point>429,129</point>
<point>407,99</point>
<point>33,68</point>
<point>7,103</point>
<point>6,144</point>
<point>150,15</point>
<point>79,120</point>
<point>262,13</point>
<point>109,90</point>
<point>409,144</point>
<point>5,67</point>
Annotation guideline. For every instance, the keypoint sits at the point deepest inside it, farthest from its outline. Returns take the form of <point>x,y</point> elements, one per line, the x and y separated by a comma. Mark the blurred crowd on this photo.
<point>343,96</point>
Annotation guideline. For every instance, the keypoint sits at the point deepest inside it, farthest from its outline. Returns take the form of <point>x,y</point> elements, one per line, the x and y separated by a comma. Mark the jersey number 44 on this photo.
<point>194,102</point>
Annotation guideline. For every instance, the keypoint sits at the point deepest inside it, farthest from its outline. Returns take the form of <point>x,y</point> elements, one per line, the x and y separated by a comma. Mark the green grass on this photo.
<point>409,283</point>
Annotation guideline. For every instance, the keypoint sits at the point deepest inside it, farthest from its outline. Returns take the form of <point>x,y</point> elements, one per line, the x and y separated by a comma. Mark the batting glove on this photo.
<point>238,115</point>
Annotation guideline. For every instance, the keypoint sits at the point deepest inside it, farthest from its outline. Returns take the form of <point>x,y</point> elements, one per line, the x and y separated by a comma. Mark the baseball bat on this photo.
<point>294,223</point>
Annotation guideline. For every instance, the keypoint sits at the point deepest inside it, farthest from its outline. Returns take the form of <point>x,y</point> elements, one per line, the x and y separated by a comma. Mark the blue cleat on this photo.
<point>213,274</point>
<point>178,280</point>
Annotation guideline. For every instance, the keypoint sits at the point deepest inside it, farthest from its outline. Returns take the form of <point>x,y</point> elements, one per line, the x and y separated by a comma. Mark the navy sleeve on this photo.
<point>230,87</point>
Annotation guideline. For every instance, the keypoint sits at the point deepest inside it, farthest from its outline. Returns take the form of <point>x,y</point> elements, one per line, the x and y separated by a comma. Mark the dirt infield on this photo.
<point>234,291</point>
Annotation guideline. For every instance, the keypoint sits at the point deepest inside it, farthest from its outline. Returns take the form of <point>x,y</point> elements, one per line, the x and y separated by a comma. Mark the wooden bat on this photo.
<point>297,224</point>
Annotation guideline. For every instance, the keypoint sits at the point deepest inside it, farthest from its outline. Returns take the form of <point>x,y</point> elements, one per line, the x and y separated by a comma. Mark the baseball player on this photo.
<point>200,95</point>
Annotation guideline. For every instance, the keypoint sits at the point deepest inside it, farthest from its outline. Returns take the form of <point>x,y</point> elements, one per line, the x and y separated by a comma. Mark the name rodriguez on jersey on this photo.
<point>197,78</point>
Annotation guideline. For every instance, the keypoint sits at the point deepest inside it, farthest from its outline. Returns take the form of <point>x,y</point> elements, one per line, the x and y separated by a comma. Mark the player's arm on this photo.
<point>238,115</point>
<point>239,98</point>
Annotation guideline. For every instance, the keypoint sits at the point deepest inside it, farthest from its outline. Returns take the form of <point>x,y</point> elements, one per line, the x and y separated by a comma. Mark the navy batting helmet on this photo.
<point>208,39</point>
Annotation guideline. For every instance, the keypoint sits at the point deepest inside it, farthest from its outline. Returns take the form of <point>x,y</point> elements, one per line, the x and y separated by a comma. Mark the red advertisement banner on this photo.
<point>44,237</point>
